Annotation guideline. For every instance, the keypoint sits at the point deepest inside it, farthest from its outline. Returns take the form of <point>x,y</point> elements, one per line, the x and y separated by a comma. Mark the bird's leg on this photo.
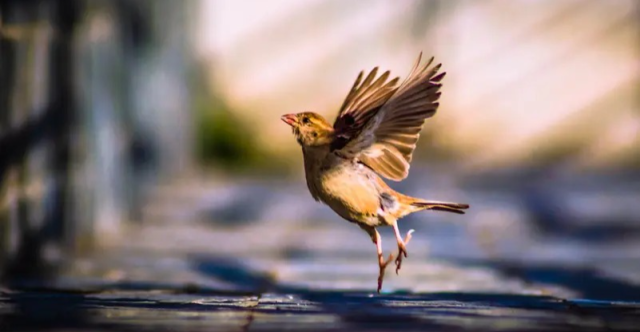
<point>381,261</point>
<point>402,245</point>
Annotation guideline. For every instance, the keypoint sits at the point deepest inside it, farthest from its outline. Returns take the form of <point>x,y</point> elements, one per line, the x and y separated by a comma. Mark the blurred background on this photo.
<point>149,132</point>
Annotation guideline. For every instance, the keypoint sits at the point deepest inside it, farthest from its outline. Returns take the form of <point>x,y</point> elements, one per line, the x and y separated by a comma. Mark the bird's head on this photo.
<point>310,129</point>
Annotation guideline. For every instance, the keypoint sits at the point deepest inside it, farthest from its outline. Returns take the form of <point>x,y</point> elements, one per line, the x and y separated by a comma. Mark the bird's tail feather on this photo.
<point>439,206</point>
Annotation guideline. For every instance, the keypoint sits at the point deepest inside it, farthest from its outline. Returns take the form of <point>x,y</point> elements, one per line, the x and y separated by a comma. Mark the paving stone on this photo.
<point>202,263</point>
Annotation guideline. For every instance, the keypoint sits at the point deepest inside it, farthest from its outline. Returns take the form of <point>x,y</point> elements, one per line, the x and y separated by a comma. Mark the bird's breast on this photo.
<point>350,190</point>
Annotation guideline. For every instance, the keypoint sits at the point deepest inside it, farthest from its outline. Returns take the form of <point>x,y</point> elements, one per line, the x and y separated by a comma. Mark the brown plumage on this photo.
<point>374,135</point>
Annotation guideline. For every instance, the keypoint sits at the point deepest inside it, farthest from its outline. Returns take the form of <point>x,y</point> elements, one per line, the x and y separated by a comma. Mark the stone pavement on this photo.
<point>263,256</point>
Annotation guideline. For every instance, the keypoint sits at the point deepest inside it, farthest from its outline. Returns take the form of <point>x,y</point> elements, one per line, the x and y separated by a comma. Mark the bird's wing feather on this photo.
<point>362,103</point>
<point>385,141</point>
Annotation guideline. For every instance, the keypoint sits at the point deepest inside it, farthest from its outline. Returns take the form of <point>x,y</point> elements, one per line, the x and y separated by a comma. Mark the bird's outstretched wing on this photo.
<point>379,123</point>
<point>362,103</point>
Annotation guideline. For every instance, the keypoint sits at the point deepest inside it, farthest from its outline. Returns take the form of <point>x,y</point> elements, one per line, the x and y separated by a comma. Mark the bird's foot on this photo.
<point>402,250</point>
<point>383,266</point>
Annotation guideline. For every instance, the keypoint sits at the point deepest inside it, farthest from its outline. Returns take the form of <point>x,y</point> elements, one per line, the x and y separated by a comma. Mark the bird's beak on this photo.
<point>290,119</point>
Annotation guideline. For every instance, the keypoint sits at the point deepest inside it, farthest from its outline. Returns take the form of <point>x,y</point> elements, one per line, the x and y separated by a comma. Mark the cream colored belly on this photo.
<point>349,191</point>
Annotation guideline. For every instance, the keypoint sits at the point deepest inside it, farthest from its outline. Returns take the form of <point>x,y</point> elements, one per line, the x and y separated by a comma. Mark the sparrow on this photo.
<point>373,137</point>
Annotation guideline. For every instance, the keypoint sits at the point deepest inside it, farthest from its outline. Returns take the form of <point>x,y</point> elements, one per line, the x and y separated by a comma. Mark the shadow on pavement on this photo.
<point>587,282</point>
<point>363,310</point>
<point>135,305</point>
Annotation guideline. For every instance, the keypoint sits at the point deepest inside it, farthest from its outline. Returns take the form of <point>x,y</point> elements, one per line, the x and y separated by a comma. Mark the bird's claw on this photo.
<point>402,250</point>
<point>399,262</point>
<point>383,265</point>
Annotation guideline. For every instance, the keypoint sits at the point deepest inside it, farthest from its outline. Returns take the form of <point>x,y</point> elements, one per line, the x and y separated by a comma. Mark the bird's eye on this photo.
<point>314,134</point>
<point>305,120</point>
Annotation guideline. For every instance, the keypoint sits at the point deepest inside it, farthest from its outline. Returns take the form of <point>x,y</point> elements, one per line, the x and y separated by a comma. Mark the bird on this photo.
<point>373,137</point>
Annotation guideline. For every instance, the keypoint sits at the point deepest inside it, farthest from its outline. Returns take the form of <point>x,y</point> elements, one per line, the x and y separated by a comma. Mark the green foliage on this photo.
<point>224,142</point>
<point>222,139</point>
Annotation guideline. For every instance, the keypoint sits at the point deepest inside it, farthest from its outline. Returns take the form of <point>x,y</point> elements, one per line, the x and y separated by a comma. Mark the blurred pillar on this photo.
<point>37,107</point>
<point>134,104</point>
<point>94,109</point>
